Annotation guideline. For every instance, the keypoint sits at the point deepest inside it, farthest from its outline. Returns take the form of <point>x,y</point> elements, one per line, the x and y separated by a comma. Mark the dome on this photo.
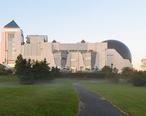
<point>120,47</point>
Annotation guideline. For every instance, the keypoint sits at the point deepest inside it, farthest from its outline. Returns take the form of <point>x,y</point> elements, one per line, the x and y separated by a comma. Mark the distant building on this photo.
<point>80,56</point>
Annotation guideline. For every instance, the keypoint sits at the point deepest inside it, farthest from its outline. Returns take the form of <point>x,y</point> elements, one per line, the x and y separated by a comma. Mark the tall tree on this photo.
<point>143,63</point>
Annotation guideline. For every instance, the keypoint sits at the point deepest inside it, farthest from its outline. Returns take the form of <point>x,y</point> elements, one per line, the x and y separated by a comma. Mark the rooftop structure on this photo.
<point>12,24</point>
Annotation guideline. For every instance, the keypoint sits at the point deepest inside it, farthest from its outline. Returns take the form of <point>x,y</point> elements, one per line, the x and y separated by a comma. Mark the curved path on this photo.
<point>92,104</point>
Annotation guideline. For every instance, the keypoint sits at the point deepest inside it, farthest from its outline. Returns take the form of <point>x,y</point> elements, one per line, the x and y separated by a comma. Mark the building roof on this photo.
<point>120,47</point>
<point>83,41</point>
<point>12,24</point>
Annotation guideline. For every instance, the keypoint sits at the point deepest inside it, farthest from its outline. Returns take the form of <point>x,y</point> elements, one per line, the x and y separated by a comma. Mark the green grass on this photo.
<point>8,79</point>
<point>129,98</point>
<point>57,98</point>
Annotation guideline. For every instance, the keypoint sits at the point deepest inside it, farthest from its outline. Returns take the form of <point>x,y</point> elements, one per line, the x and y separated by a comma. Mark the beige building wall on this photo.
<point>47,52</point>
<point>5,45</point>
<point>101,48</point>
<point>75,61</point>
<point>113,57</point>
<point>39,51</point>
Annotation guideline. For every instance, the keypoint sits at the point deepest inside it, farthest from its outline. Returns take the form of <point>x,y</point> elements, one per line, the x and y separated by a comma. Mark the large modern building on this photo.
<point>80,56</point>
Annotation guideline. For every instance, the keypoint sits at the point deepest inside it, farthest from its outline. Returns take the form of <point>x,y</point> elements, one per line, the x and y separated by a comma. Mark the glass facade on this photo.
<point>11,45</point>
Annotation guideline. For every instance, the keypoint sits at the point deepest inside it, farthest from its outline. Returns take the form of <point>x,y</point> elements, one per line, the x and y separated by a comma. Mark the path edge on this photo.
<point>107,100</point>
<point>79,104</point>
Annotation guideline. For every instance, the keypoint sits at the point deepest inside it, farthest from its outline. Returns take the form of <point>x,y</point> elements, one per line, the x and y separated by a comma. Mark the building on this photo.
<point>11,41</point>
<point>80,56</point>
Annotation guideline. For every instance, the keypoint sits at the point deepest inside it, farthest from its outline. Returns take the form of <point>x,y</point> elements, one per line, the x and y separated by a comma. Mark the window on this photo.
<point>11,51</point>
<point>11,37</point>
<point>11,45</point>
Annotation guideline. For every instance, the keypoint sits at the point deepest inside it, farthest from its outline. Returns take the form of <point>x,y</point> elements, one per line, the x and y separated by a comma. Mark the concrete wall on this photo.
<point>101,48</point>
<point>113,57</point>
<point>4,44</point>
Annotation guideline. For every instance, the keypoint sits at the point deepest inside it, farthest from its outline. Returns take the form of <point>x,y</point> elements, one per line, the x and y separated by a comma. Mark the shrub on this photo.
<point>55,72</point>
<point>127,73</point>
<point>139,78</point>
<point>106,69</point>
<point>83,75</point>
<point>5,71</point>
<point>2,70</point>
<point>113,77</point>
<point>111,73</point>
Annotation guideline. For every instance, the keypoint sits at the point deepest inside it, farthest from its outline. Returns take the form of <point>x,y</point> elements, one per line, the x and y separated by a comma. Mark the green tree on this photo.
<point>55,72</point>
<point>106,69</point>
<point>139,78</point>
<point>111,73</point>
<point>41,70</point>
<point>2,70</point>
<point>127,73</point>
<point>23,70</point>
<point>20,66</point>
<point>5,71</point>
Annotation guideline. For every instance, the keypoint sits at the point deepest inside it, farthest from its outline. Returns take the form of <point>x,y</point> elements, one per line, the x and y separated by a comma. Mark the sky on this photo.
<point>70,21</point>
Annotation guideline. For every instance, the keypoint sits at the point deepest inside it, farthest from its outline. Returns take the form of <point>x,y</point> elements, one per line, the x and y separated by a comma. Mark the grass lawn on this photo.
<point>57,98</point>
<point>129,98</point>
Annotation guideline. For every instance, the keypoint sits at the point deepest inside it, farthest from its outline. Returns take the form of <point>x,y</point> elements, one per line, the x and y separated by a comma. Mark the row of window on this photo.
<point>11,46</point>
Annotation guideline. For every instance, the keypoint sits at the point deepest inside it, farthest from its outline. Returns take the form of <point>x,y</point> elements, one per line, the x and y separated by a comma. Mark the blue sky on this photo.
<point>70,21</point>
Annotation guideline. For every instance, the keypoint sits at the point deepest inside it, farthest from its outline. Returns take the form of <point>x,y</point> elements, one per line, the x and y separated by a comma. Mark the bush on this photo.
<point>2,70</point>
<point>83,75</point>
<point>139,78</point>
<point>127,73</point>
<point>55,72</point>
<point>5,71</point>
<point>106,69</point>
<point>111,73</point>
<point>113,77</point>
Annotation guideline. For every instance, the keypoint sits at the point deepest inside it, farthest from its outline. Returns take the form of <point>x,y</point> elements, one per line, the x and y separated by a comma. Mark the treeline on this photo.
<point>30,71</point>
<point>138,78</point>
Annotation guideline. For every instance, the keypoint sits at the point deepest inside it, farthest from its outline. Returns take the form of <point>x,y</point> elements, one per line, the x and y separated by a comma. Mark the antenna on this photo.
<point>13,16</point>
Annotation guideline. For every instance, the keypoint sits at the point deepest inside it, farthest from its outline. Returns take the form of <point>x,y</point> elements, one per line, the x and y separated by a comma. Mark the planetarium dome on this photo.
<point>120,47</point>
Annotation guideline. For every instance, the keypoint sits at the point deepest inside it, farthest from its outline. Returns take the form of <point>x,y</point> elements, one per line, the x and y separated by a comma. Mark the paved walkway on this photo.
<point>92,104</point>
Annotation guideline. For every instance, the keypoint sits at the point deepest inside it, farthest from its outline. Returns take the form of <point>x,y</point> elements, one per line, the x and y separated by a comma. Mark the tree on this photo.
<point>143,63</point>
<point>5,71</point>
<point>20,66</point>
<point>139,78</point>
<point>41,70</point>
<point>55,72</point>
<point>23,70</point>
<point>127,73</point>
<point>30,71</point>
<point>111,73</point>
<point>106,69</point>
<point>2,70</point>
